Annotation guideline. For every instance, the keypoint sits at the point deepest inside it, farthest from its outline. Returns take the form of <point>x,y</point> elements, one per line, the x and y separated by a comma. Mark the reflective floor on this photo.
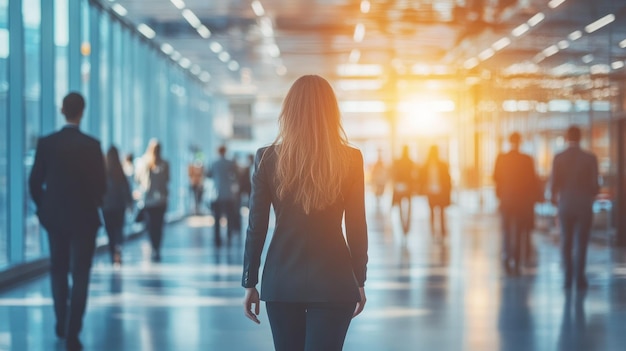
<point>422,295</point>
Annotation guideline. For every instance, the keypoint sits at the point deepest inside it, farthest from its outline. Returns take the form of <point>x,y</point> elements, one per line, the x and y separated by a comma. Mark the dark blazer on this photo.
<point>575,180</point>
<point>517,185</point>
<point>308,259</point>
<point>67,181</point>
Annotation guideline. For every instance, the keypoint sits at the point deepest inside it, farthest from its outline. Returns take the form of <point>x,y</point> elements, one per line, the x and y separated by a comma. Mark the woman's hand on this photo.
<point>360,304</point>
<point>252,298</point>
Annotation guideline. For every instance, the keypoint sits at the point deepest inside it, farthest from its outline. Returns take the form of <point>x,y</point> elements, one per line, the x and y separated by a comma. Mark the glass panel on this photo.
<point>31,11</point>
<point>4,88</point>
<point>61,40</point>
<point>85,50</point>
<point>105,81</point>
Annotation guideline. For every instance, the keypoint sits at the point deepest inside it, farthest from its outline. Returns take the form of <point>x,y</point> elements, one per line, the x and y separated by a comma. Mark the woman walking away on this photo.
<point>117,199</point>
<point>153,177</point>
<point>313,278</point>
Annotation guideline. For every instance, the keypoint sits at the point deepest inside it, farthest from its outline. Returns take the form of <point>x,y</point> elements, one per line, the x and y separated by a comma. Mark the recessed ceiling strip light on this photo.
<point>119,9</point>
<point>536,19</point>
<point>365,6</point>
<point>622,44</point>
<point>191,17</point>
<point>146,31</point>
<point>180,4</point>
<point>592,27</point>
<point>216,47</point>
<point>501,44</point>
<point>485,54</point>
<point>471,63</point>
<point>563,44</point>
<point>257,7</point>
<point>550,50</point>
<point>575,35</point>
<point>204,32</point>
<point>355,55</point>
<point>167,49</point>
<point>359,32</point>
<point>521,29</point>
<point>617,64</point>
<point>555,3</point>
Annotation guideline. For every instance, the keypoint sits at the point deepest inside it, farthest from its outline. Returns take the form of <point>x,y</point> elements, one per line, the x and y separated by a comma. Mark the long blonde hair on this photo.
<point>153,153</point>
<point>311,145</point>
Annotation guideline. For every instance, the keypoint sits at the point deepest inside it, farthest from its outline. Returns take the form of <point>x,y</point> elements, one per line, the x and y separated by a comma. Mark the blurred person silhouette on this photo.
<point>195,172</point>
<point>378,179</point>
<point>517,188</point>
<point>574,187</point>
<point>403,177</point>
<point>435,183</point>
<point>313,278</point>
<point>225,175</point>
<point>153,176</point>
<point>67,184</point>
<point>117,199</point>
<point>245,181</point>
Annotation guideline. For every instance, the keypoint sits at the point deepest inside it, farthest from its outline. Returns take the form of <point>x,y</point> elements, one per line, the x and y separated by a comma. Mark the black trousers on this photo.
<point>114,225</point>
<point>71,252</point>
<point>225,208</point>
<point>313,326</point>
<point>575,232</point>
<point>154,225</point>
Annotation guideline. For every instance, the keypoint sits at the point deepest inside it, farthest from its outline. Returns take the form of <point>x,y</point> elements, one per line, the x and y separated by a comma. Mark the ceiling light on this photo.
<point>266,26</point>
<point>622,44</point>
<point>587,58</point>
<point>471,63</point>
<point>485,54</point>
<point>355,55</point>
<point>521,29</point>
<point>281,70</point>
<point>555,3</point>
<point>617,64</point>
<point>592,27</point>
<point>233,66</point>
<point>184,63</point>
<point>501,44</point>
<point>180,4</point>
<point>167,48</point>
<point>365,6</point>
<point>575,35</point>
<point>224,56</point>
<point>204,32</point>
<point>205,76</point>
<point>195,69</point>
<point>119,9</point>
<point>257,7</point>
<point>539,57</point>
<point>563,44</point>
<point>359,70</point>
<point>534,20</point>
<point>176,56</point>
<point>146,31</point>
<point>599,69</point>
<point>359,32</point>
<point>216,47</point>
<point>550,50</point>
<point>191,17</point>
<point>273,50</point>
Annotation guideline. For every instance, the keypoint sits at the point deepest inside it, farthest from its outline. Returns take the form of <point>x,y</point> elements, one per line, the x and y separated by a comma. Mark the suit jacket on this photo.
<point>308,259</point>
<point>517,185</point>
<point>67,181</point>
<point>225,175</point>
<point>575,180</point>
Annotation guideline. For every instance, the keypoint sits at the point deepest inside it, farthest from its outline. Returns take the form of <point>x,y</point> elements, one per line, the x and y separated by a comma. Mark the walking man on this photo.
<point>517,187</point>
<point>224,173</point>
<point>67,184</point>
<point>574,187</point>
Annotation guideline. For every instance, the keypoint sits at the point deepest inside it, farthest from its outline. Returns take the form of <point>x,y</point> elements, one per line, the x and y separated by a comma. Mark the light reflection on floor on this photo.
<point>422,295</point>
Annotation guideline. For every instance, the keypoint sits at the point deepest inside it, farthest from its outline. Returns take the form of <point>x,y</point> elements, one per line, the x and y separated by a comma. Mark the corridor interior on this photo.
<point>423,294</point>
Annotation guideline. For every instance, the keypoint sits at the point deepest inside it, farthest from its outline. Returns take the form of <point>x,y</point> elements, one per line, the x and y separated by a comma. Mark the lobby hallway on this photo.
<point>422,295</point>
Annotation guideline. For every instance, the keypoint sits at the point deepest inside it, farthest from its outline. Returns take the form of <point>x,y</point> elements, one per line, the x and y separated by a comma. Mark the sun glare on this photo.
<point>425,117</point>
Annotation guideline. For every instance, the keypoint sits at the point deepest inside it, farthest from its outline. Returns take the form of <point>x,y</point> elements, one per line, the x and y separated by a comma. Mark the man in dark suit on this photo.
<point>574,187</point>
<point>67,183</point>
<point>517,188</point>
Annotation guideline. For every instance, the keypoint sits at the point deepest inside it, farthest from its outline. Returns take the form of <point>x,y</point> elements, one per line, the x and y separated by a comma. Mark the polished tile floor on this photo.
<point>422,295</point>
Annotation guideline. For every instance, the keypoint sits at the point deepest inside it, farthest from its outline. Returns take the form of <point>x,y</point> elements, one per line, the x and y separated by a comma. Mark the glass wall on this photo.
<point>31,11</point>
<point>4,88</point>
<point>137,94</point>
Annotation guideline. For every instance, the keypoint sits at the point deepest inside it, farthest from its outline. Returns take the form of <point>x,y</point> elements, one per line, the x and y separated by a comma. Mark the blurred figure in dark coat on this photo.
<point>435,183</point>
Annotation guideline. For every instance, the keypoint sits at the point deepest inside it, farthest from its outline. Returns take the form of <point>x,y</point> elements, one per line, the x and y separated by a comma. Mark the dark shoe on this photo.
<point>582,284</point>
<point>156,257</point>
<point>60,332</point>
<point>73,344</point>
